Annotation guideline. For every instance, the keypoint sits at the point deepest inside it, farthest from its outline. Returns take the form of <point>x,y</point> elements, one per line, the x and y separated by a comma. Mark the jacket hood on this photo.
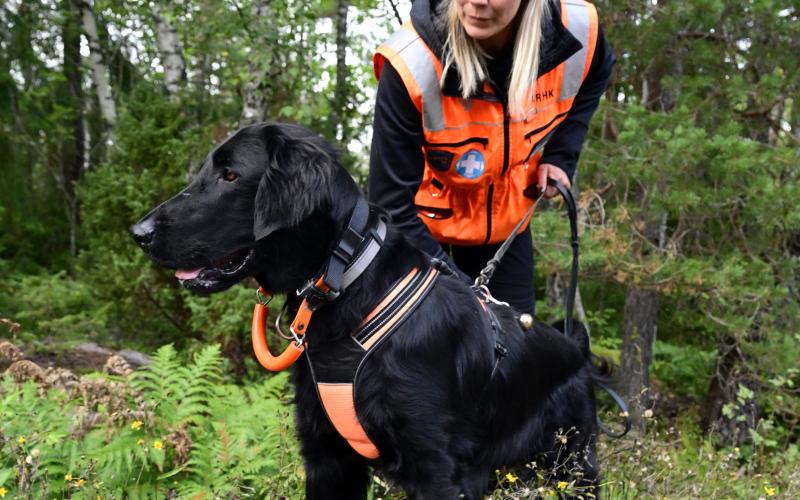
<point>558,43</point>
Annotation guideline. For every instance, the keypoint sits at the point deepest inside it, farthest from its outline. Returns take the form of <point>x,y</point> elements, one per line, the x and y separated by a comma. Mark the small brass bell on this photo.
<point>526,321</point>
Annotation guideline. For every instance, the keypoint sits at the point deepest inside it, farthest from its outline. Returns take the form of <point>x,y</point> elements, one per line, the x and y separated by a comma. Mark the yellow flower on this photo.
<point>511,478</point>
<point>3,492</point>
<point>68,477</point>
<point>80,482</point>
<point>562,485</point>
<point>157,444</point>
<point>21,440</point>
<point>136,425</point>
<point>140,442</point>
<point>769,491</point>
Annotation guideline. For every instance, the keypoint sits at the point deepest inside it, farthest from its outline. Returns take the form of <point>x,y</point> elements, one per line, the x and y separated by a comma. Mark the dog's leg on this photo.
<point>333,468</point>
<point>438,477</point>
<point>474,481</point>
<point>335,472</point>
<point>422,489</point>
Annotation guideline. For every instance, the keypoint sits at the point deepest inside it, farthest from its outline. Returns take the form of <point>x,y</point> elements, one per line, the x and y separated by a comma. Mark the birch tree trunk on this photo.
<point>339,114</point>
<point>100,71</point>
<point>170,51</point>
<point>255,99</point>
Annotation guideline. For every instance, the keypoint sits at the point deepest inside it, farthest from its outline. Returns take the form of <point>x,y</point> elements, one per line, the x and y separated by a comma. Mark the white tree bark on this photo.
<point>340,92</point>
<point>100,71</point>
<point>169,48</point>
<point>254,104</point>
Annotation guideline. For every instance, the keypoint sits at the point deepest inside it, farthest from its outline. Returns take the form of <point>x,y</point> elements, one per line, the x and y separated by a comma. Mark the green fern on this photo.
<point>243,442</point>
<point>180,393</point>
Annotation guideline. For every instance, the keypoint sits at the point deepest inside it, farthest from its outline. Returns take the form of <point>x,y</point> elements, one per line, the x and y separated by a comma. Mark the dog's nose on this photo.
<point>143,232</point>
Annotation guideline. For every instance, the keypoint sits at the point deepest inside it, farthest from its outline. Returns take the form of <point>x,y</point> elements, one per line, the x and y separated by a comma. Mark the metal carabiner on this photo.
<point>299,338</point>
<point>488,298</point>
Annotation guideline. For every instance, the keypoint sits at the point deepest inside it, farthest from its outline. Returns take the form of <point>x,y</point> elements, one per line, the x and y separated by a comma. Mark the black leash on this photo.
<point>482,280</point>
<point>572,211</point>
<point>532,192</point>
<point>624,410</point>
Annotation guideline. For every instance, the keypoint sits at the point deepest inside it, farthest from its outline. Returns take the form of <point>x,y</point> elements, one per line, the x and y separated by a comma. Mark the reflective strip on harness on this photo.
<point>338,397</point>
<point>368,337</point>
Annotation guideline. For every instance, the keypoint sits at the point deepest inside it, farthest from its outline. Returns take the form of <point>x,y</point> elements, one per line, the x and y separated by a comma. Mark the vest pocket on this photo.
<point>433,199</point>
<point>460,164</point>
<point>538,146</point>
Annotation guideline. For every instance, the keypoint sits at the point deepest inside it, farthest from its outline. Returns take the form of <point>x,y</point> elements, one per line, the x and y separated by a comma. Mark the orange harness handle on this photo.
<point>272,363</point>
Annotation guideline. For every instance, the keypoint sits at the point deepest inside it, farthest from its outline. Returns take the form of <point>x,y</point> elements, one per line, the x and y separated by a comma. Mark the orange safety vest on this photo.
<point>478,159</point>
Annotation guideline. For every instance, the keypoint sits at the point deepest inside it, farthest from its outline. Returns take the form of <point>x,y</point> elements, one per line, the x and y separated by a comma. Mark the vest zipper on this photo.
<point>480,140</point>
<point>506,146</point>
<point>489,214</point>
<point>506,139</point>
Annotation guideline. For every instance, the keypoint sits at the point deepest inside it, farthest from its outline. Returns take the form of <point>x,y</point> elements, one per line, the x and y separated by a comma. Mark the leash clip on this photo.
<point>486,295</point>
<point>298,338</point>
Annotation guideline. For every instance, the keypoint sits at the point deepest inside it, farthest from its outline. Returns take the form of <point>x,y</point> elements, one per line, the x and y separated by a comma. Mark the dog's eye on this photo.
<point>229,175</point>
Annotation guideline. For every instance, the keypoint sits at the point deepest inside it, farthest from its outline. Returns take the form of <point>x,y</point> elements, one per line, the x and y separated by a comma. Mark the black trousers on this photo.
<point>512,281</point>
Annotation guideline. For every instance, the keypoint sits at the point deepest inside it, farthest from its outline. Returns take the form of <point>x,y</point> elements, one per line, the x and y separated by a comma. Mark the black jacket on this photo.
<point>396,159</point>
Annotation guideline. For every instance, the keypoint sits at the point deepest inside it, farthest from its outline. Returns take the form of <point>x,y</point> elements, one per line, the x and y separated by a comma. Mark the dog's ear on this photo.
<point>302,176</point>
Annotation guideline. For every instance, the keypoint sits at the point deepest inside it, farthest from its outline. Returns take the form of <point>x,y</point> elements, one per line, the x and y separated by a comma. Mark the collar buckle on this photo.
<point>315,296</point>
<point>348,245</point>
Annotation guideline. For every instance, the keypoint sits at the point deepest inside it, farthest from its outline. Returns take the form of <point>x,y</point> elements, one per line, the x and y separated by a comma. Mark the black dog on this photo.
<point>444,409</point>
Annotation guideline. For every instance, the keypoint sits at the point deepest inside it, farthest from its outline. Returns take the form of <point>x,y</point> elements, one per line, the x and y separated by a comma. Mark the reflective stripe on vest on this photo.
<point>336,368</point>
<point>575,67</point>
<point>478,161</point>
<point>417,59</point>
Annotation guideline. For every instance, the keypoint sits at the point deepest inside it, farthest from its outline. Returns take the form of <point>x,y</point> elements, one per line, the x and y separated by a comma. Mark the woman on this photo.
<point>462,129</point>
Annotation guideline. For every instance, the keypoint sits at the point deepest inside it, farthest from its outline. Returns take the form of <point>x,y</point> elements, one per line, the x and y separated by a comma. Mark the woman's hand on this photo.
<point>546,170</point>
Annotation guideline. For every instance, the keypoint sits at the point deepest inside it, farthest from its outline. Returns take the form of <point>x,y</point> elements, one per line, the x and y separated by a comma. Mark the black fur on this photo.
<point>427,399</point>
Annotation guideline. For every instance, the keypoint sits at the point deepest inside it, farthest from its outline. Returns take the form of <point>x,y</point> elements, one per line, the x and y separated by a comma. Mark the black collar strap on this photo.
<point>352,255</point>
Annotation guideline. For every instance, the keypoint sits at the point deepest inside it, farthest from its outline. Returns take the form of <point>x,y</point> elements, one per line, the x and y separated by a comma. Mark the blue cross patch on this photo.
<point>471,164</point>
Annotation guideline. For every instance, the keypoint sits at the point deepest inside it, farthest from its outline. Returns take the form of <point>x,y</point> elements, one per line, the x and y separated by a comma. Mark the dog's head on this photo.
<point>256,188</point>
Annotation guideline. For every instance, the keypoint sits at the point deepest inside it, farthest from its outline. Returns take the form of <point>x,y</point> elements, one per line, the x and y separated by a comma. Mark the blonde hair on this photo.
<point>463,52</point>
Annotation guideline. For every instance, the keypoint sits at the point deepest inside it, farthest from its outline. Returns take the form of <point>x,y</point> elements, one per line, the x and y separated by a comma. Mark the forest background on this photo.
<point>688,200</point>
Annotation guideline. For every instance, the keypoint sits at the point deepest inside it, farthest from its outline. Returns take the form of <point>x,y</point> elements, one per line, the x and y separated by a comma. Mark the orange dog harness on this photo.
<point>336,368</point>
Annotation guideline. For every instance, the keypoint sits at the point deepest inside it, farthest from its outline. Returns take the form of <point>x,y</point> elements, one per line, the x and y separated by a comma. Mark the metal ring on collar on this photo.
<point>267,296</point>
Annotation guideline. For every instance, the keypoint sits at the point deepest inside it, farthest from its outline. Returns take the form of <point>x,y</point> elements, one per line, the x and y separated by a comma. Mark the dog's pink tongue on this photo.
<point>187,274</point>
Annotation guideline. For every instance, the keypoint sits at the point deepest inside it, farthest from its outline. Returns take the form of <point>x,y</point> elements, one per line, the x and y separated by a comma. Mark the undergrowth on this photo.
<point>175,429</point>
<point>178,430</point>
